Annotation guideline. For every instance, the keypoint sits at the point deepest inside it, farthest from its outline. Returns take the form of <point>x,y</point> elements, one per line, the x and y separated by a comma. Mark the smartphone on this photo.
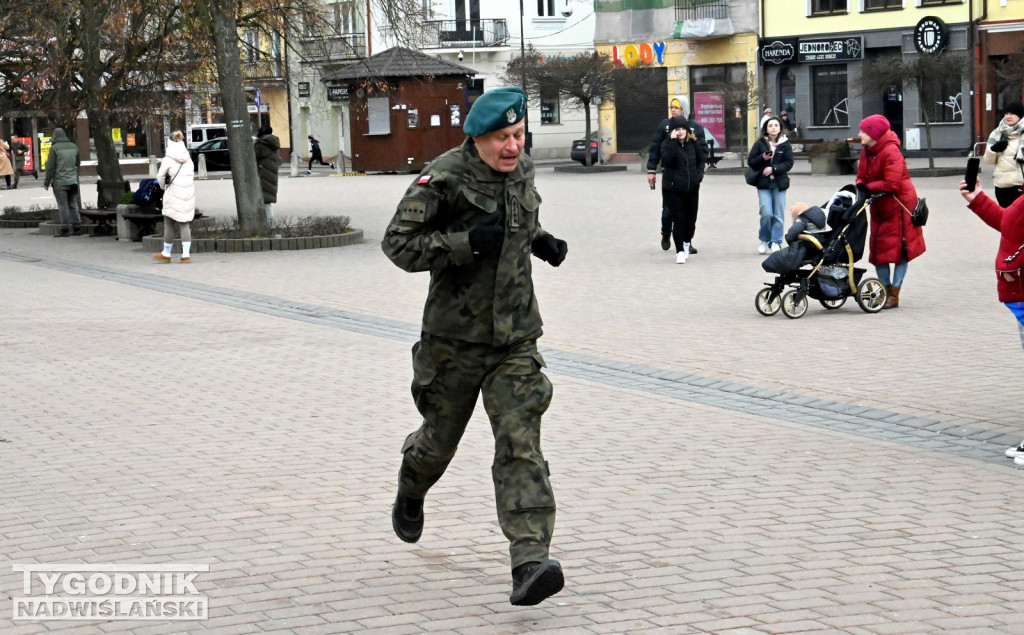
<point>971,175</point>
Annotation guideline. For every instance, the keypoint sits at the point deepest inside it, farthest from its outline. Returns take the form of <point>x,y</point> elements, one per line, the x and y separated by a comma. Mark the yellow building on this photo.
<point>704,50</point>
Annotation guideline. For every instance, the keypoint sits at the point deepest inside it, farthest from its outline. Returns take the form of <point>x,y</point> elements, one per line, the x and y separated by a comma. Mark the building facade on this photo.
<point>814,52</point>
<point>1000,39</point>
<point>705,50</point>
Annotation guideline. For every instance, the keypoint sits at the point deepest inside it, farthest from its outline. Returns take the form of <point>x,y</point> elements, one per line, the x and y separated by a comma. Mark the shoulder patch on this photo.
<point>424,179</point>
<point>413,211</point>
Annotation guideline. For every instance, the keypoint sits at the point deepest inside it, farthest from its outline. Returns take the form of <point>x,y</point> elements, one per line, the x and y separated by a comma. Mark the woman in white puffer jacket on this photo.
<point>179,206</point>
<point>1004,150</point>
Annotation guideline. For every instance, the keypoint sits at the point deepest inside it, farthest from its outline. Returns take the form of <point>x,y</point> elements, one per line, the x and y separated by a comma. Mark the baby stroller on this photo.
<point>820,265</point>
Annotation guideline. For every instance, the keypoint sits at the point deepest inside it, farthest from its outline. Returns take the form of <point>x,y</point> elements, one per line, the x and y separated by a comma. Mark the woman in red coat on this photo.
<point>1009,222</point>
<point>894,239</point>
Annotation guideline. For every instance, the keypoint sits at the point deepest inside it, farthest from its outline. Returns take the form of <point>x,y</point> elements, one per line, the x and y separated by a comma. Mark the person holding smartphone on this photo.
<point>1005,152</point>
<point>1009,222</point>
<point>772,157</point>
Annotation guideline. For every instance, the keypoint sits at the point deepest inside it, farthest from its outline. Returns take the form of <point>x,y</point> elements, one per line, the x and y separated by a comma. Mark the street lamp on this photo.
<point>522,64</point>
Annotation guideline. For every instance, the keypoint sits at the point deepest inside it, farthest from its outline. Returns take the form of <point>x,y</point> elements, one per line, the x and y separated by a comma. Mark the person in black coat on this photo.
<point>679,106</point>
<point>772,158</point>
<point>683,157</point>
<point>268,160</point>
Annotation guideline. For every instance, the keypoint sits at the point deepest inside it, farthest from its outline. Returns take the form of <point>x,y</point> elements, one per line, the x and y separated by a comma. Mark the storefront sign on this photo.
<point>130,140</point>
<point>778,50</point>
<point>337,93</point>
<point>930,35</point>
<point>709,111</point>
<point>303,89</point>
<point>634,54</point>
<point>30,165</point>
<point>831,50</point>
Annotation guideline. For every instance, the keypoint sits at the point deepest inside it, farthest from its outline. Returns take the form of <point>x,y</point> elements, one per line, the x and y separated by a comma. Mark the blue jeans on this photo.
<point>899,272</point>
<point>772,204</point>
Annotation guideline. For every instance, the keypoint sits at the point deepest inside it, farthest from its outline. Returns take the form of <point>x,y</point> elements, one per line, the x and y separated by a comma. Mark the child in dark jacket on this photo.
<point>683,158</point>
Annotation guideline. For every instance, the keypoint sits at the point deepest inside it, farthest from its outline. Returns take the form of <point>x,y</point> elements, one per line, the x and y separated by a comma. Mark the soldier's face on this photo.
<point>501,149</point>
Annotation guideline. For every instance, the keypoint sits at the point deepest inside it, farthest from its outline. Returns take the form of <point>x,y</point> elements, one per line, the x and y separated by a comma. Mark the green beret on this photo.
<point>494,110</point>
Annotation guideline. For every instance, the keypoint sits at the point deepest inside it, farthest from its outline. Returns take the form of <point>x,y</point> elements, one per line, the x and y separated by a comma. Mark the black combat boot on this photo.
<point>534,582</point>
<point>407,517</point>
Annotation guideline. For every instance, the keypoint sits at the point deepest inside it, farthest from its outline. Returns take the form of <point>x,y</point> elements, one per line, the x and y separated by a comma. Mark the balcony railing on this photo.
<point>262,69</point>
<point>333,48</point>
<point>701,10</point>
<point>460,33</point>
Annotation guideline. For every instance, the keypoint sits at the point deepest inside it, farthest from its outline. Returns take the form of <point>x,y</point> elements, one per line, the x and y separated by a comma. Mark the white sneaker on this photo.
<point>762,248</point>
<point>1015,453</point>
<point>332,165</point>
<point>681,257</point>
<point>775,247</point>
<point>1019,460</point>
<point>309,172</point>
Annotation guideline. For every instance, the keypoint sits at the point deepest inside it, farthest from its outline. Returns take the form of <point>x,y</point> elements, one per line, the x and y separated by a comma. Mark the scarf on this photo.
<point>778,142</point>
<point>1004,129</point>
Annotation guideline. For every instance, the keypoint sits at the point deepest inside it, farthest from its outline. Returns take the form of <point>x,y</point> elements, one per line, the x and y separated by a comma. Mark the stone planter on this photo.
<point>155,243</point>
<point>827,163</point>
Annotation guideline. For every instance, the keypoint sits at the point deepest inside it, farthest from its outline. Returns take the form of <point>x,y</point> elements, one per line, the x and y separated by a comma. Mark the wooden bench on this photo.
<point>144,223</point>
<point>103,219</point>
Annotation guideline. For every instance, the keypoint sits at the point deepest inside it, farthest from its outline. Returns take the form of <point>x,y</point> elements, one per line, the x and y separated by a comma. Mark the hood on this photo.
<point>270,141</point>
<point>684,104</point>
<point>59,135</point>
<point>889,138</point>
<point>176,150</point>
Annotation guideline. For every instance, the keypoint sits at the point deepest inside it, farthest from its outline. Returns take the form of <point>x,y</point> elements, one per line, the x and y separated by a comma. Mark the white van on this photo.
<point>200,133</point>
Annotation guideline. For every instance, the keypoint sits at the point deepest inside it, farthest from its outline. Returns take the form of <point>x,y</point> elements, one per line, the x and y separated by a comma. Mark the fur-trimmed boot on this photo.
<point>893,300</point>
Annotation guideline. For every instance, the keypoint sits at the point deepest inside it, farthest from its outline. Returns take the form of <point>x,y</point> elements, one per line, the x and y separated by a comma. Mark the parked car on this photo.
<point>578,151</point>
<point>216,153</point>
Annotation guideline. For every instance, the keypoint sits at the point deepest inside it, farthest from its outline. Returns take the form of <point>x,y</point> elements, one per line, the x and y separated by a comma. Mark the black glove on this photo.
<point>862,190</point>
<point>550,249</point>
<point>1000,145</point>
<point>486,240</point>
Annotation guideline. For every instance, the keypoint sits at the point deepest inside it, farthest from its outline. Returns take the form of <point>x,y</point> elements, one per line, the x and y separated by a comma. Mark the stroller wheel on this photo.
<point>834,303</point>
<point>762,303</point>
<point>791,308</point>
<point>871,295</point>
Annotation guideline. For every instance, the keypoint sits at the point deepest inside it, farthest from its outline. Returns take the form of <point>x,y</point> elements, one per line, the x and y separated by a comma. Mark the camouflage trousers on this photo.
<point>448,375</point>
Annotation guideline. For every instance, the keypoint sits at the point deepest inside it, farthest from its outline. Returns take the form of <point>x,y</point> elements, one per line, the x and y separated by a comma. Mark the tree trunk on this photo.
<point>252,219</point>
<point>107,165</point>
<point>586,110</point>
<point>927,131</point>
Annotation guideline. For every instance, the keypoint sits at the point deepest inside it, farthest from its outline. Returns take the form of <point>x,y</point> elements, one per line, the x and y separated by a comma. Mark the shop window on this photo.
<point>882,5</point>
<point>828,7</point>
<point>719,103</point>
<point>378,115</point>
<point>943,100</point>
<point>549,113</point>
<point>829,95</point>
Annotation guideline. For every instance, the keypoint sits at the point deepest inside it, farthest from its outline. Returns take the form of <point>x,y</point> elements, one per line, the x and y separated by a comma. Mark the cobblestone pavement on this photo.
<point>716,471</point>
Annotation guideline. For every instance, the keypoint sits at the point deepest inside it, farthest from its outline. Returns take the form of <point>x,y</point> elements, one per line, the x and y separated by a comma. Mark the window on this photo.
<point>701,9</point>
<point>935,3</point>
<point>251,53</point>
<point>829,94</point>
<point>545,8</point>
<point>881,5</point>
<point>828,7</point>
<point>378,115</point>
<point>549,107</point>
<point>345,17</point>
<point>943,100</point>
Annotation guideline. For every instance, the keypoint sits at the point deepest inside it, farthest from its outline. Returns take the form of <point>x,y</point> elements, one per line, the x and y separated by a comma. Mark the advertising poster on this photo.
<point>709,111</point>
<point>44,150</point>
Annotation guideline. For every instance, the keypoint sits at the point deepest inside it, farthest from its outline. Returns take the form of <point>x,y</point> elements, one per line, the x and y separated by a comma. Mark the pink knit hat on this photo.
<point>875,126</point>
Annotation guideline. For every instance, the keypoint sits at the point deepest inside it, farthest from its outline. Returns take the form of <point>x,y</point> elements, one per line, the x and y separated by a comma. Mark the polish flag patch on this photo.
<point>423,180</point>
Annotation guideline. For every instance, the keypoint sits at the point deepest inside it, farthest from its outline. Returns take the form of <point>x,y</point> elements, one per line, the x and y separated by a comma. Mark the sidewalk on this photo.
<point>716,471</point>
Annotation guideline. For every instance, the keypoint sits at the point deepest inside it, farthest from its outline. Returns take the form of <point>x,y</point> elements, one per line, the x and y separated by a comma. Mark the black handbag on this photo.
<point>919,217</point>
<point>753,176</point>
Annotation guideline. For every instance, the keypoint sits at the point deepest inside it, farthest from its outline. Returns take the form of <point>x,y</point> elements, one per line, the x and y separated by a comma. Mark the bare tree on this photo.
<point>580,80</point>
<point>921,72</point>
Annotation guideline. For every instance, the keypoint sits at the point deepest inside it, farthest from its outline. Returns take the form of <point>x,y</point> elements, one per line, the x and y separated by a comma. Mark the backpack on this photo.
<point>149,194</point>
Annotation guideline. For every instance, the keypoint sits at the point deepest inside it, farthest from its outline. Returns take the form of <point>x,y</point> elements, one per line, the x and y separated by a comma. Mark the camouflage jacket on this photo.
<point>488,300</point>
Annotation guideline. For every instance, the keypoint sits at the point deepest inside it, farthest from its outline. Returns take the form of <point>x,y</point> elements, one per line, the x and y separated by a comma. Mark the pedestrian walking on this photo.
<point>1006,153</point>
<point>894,239</point>
<point>62,172</point>
<point>177,178</point>
<point>678,106</point>
<point>314,155</point>
<point>471,219</point>
<point>268,160</point>
<point>18,151</point>
<point>788,126</point>
<point>766,114</point>
<point>770,160</point>
<point>684,159</point>
<point>1009,265</point>
<point>6,164</point>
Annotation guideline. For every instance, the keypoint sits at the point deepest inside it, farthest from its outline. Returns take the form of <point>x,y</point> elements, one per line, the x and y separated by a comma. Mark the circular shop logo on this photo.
<point>930,35</point>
